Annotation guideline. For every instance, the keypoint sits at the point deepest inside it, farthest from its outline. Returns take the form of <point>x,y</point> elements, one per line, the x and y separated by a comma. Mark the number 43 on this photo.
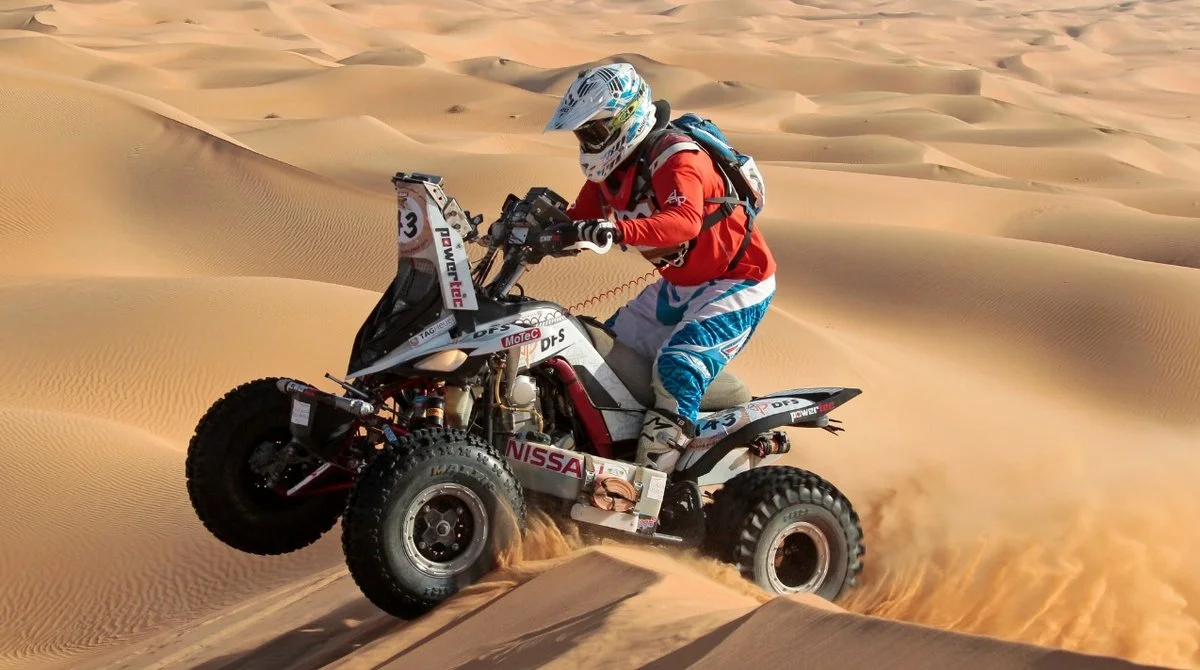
<point>410,224</point>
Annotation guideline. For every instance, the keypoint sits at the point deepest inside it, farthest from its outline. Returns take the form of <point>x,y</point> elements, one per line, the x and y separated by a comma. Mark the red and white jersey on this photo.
<point>684,177</point>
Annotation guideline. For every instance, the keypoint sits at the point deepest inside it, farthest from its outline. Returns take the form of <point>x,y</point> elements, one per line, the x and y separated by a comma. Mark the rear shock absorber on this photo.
<point>435,411</point>
<point>775,442</point>
<point>429,408</point>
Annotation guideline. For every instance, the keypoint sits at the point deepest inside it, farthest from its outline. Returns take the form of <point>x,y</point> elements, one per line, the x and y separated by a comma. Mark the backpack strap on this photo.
<point>650,152</point>
<point>728,205</point>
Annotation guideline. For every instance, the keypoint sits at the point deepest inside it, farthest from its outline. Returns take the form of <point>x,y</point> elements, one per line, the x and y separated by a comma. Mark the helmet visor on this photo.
<point>595,134</point>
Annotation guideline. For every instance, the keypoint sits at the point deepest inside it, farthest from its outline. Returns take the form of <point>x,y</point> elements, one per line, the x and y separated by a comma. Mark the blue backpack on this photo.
<point>744,185</point>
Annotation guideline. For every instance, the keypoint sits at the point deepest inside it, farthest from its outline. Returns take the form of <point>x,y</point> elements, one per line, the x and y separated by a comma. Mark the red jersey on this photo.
<point>682,179</point>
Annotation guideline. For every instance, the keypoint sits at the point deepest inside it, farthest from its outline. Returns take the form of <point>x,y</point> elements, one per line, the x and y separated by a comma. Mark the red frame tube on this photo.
<point>592,418</point>
<point>331,488</point>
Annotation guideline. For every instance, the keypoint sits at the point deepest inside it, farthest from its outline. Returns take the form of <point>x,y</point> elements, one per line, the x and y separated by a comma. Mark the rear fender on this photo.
<point>819,403</point>
<point>719,433</point>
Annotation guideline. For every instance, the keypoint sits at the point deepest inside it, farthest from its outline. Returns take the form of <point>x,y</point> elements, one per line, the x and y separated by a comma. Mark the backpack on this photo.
<point>744,185</point>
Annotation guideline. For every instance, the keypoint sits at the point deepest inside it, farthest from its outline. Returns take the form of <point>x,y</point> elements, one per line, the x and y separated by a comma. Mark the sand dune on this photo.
<point>987,216</point>
<point>122,367</point>
<point>153,352</point>
<point>1063,314</point>
<point>605,607</point>
<point>100,544</point>
<point>199,217</point>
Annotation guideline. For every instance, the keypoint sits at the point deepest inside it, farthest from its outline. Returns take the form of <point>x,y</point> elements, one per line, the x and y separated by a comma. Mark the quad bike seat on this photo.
<point>635,372</point>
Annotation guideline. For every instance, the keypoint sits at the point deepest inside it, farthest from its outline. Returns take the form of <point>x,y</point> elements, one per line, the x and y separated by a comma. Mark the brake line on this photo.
<point>612,292</point>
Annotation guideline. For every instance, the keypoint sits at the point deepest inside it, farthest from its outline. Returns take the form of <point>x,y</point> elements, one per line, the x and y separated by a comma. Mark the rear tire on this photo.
<point>221,484</point>
<point>788,531</point>
<point>428,518</point>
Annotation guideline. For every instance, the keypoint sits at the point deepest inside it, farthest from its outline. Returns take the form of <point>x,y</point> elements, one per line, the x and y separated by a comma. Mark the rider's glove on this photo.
<point>598,231</point>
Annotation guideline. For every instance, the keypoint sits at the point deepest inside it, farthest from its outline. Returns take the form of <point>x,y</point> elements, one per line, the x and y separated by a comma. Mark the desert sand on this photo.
<point>987,216</point>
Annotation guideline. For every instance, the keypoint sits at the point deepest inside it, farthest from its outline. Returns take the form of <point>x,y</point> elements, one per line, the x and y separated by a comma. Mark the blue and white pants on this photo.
<point>691,333</point>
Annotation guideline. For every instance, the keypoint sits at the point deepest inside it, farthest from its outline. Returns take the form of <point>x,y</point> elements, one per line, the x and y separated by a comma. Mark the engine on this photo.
<point>522,403</point>
<point>531,409</point>
<point>518,405</point>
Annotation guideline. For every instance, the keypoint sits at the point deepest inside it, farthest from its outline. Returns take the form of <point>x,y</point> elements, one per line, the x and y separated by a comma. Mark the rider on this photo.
<point>714,285</point>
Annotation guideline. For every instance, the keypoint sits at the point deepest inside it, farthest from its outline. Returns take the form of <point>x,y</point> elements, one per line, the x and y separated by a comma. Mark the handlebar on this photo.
<point>562,242</point>
<point>537,223</point>
<point>528,230</point>
<point>608,245</point>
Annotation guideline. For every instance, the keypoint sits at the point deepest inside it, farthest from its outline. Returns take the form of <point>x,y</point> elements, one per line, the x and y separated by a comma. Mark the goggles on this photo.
<point>594,134</point>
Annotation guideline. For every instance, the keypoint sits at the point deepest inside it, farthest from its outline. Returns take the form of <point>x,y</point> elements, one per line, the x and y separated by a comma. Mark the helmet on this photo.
<point>609,110</point>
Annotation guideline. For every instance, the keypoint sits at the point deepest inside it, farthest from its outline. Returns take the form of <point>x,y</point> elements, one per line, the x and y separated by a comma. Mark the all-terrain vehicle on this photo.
<point>466,400</point>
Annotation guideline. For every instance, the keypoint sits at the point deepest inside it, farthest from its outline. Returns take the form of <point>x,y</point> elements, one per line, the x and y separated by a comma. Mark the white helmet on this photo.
<point>610,112</point>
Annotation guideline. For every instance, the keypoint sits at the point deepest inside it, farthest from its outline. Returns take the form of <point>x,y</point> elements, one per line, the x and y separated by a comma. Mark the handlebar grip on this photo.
<point>563,240</point>
<point>591,246</point>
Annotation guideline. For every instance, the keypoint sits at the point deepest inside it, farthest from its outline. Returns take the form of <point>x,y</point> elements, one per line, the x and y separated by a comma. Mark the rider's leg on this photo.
<point>644,324</point>
<point>636,323</point>
<point>712,325</point>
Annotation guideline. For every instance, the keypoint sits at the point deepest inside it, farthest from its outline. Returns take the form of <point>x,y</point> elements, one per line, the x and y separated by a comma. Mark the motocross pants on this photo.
<point>691,333</point>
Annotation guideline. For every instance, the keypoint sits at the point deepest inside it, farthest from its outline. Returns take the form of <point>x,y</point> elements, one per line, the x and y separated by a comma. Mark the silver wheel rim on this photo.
<point>445,521</point>
<point>817,553</point>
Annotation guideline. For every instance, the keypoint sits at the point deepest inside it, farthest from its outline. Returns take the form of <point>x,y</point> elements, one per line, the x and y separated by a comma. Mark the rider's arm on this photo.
<point>587,203</point>
<point>679,189</point>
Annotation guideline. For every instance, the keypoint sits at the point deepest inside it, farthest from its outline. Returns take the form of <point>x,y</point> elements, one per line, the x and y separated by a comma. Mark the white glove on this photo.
<point>597,231</point>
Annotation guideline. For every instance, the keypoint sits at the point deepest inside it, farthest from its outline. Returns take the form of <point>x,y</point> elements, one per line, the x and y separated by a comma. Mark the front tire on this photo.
<point>250,423</point>
<point>788,531</point>
<point>428,518</point>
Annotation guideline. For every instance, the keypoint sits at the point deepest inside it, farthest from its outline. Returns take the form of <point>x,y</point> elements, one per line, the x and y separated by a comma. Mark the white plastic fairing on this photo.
<point>423,232</point>
<point>736,461</point>
<point>713,428</point>
<point>443,361</point>
<point>454,269</point>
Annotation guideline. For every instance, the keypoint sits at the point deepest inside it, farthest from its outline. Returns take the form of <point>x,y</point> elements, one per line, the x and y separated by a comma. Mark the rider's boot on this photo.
<point>664,436</point>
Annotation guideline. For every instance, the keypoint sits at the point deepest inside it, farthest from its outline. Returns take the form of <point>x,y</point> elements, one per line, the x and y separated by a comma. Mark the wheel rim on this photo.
<point>445,529</point>
<point>799,559</point>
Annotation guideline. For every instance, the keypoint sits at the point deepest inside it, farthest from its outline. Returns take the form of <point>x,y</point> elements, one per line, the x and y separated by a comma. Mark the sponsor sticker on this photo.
<point>538,456</point>
<point>554,339</point>
<point>432,331</point>
<point>454,270</point>
<point>807,411</point>
<point>656,489</point>
<point>612,469</point>
<point>301,413</point>
<point>521,337</point>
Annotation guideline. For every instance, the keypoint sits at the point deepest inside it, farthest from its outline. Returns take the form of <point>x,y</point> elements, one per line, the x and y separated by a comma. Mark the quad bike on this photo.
<point>466,401</point>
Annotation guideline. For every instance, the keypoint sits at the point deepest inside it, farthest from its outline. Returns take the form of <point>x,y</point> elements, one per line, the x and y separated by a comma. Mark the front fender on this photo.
<point>719,433</point>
